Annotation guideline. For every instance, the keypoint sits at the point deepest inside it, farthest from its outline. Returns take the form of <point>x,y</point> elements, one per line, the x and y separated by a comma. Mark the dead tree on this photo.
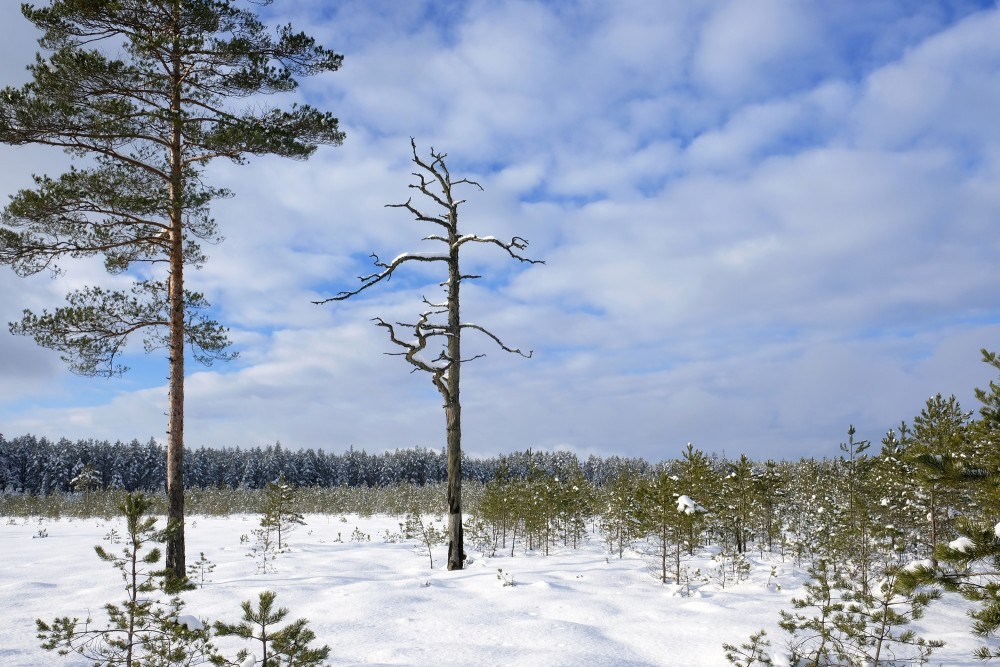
<point>439,328</point>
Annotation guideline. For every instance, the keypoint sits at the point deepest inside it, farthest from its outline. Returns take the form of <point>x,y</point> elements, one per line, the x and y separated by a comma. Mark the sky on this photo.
<point>762,221</point>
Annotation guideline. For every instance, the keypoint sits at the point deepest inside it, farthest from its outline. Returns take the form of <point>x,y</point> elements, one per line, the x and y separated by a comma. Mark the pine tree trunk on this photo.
<point>664,552</point>
<point>175,429</point>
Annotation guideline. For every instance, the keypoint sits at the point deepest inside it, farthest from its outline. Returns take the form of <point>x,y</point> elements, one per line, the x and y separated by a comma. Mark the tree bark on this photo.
<point>453,406</point>
<point>175,425</point>
<point>456,544</point>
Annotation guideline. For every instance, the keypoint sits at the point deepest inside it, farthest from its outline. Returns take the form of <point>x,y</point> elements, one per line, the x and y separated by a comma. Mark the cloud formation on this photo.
<point>762,221</point>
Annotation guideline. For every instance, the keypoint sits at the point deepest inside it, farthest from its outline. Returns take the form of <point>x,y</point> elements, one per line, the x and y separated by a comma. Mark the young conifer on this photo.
<point>144,629</point>
<point>279,647</point>
<point>280,514</point>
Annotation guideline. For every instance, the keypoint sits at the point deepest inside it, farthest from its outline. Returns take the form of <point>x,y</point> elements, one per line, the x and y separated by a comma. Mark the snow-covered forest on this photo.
<point>29,464</point>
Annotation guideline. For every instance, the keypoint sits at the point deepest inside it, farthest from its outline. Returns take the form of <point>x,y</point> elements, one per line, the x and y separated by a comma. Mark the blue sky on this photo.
<point>762,221</point>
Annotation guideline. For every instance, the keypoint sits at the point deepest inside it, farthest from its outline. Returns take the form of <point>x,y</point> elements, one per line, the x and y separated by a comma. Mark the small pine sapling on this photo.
<point>279,647</point>
<point>872,620</point>
<point>751,653</point>
<point>506,578</point>
<point>427,533</point>
<point>772,579</point>
<point>816,638</point>
<point>280,514</point>
<point>732,567</point>
<point>143,629</point>
<point>199,570</point>
<point>263,551</point>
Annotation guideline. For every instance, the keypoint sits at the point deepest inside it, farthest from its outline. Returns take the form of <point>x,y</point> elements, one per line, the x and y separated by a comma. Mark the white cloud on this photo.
<point>939,93</point>
<point>755,47</point>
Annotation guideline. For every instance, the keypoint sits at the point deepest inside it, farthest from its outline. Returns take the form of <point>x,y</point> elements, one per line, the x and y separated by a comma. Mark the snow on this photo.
<point>996,530</point>
<point>190,622</point>
<point>407,256</point>
<point>918,565</point>
<point>378,603</point>
<point>465,238</point>
<point>688,506</point>
<point>963,544</point>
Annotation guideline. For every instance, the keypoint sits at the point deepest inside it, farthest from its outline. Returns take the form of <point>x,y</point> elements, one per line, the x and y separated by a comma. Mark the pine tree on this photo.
<point>816,640</point>
<point>970,564</point>
<point>769,488</point>
<point>497,508</point>
<point>737,502</point>
<point>937,450</point>
<point>143,629</point>
<point>697,479</point>
<point>752,653</point>
<point>854,536</point>
<point>874,619</point>
<point>199,570</point>
<point>620,520</point>
<point>427,534</point>
<point>280,514</point>
<point>149,118</point>
<point>575,500</point>
<point>279,647</point>
<point>669,518</point>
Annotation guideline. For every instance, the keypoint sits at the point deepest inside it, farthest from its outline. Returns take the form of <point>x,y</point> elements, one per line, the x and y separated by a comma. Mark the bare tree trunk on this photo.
<point>453,406</point>
<point>456,549</point>
<point>175,425</point>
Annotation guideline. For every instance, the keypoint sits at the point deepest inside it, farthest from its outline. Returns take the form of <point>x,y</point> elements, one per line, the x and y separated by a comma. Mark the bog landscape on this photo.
<point>764,228</point>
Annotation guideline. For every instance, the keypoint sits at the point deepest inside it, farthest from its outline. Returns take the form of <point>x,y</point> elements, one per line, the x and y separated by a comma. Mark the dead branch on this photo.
<point>514,248</point>
<point>423,331</point>
<point>440,172</point>
<point>496,339</point>
<point>422,217</point>
<point>385,274</point>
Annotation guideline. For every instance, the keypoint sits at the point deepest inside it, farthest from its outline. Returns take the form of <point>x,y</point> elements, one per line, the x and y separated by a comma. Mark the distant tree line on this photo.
<point>40,466</point>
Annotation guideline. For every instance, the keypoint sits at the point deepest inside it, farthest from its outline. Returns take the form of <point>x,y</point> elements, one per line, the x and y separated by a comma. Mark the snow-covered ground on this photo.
<point>379,603</point>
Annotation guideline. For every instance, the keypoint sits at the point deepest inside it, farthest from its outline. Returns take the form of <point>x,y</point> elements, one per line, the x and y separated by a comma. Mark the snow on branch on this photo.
<point>514,248</point>
<point>385,273</point>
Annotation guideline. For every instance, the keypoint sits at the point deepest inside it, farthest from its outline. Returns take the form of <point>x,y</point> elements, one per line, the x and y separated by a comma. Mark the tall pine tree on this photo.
<point>145,89</point>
